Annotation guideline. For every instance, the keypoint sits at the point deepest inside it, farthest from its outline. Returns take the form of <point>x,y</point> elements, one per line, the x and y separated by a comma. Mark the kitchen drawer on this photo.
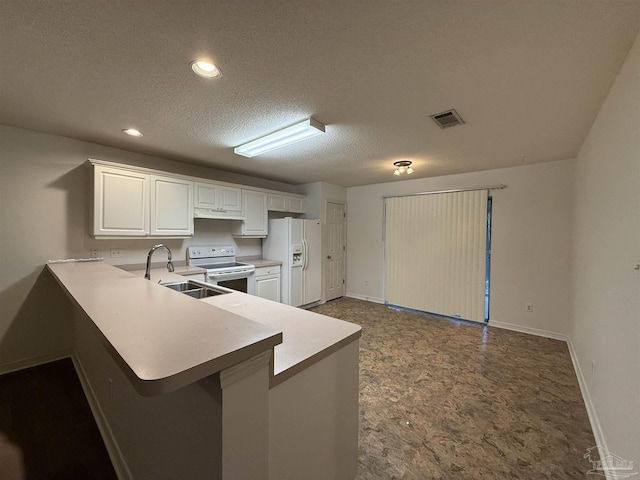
<point>273,270</point>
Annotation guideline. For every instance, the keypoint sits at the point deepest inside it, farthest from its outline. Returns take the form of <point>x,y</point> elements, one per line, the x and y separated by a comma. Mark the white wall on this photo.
<point>531,240</point>
<point>170,436</point>
<point>606,304</point>
<point>313,207</point>
<point>318,194</point>
<point>313,420</point>
<point>45,214</point>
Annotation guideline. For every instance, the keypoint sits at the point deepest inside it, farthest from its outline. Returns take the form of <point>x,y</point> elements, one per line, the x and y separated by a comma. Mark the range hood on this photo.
<point>219,214</point>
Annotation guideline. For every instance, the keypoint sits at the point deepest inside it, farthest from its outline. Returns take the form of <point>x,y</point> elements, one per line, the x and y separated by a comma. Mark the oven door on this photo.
<point>235,281</point>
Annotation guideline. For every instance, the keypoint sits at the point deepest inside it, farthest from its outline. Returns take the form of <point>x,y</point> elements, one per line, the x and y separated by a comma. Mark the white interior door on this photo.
<point>336,250</point>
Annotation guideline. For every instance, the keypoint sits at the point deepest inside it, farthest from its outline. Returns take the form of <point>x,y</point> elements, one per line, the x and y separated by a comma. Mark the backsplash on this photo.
<point>206,232</point>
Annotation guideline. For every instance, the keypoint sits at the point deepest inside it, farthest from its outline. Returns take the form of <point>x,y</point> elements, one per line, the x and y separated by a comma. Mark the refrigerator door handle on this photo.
<point>305,252</point>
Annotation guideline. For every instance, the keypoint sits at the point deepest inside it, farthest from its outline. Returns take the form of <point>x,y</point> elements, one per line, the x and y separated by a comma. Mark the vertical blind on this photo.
<point>435,253</point>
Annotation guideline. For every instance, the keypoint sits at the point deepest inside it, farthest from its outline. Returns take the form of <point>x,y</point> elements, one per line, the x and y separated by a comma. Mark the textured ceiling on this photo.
<point>528,77</point>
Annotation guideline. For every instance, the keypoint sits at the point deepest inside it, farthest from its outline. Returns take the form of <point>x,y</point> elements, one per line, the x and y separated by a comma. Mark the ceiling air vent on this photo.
<point>447,119</point>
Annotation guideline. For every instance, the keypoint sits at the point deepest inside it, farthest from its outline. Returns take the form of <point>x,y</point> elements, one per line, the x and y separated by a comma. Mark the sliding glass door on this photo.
<point>436,253</point>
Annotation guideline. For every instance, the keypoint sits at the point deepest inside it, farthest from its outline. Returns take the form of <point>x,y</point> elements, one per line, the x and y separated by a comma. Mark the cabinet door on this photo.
<point>285,203</point>
<point>121,202</point>
<point>277,203</point>
<point>171,206</point>
<point>256,218</point>
<point>205,195</point>
<point>230,199</point>
<point>223,200</point>
<point>295,205</point>
<point>268,287</point>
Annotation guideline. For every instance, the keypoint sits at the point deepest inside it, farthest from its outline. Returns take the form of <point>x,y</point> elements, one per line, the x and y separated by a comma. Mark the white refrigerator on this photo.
<point>297,243</point>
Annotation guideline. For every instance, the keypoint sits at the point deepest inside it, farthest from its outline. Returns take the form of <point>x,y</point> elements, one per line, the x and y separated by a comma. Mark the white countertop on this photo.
<point>166,338</point>
<point>170,340</point>
<point>259,262</point>
<point>307,337</point>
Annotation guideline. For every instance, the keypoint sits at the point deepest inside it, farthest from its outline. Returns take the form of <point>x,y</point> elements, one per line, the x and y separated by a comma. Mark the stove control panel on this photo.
<point>211,251</point>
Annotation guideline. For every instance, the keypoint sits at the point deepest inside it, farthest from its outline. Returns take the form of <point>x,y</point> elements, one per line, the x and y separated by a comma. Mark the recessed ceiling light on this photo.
<point>205,69</point>
<point>133,132</point>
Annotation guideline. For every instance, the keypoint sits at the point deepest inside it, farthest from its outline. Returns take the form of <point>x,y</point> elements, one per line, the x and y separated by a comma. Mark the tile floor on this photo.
<point>445,399</point>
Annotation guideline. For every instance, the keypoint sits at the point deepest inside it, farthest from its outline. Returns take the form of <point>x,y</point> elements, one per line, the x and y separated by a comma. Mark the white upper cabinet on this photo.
<point>121,202</point>
<point>286,203</point>
<point>256,218</point>
<point>214,200</point>
<point>171,206</point>
<point>134,201</point>
<point>131,203</point>
<point>295,204</point>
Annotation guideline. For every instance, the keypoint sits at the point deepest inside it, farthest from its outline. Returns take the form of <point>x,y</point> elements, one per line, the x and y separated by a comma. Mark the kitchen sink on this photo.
<point>194,289</point>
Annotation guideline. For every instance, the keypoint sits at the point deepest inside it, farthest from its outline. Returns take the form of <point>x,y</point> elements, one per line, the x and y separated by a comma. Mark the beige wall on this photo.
<point>606,321</point>
<point>45,214</point>
<point>531,240</point>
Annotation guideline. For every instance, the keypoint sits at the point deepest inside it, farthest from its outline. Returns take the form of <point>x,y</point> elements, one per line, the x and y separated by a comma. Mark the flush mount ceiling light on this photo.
<point>133,132</point>
<point>403,166</point>
<point>205,69</point>
<point>300,131</point>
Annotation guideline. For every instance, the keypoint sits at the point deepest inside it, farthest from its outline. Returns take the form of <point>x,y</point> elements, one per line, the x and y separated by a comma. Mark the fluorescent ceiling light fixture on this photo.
<point>300,131</point>
<point>402,166</point>
<point>205,69</point>
<point>133,132</point>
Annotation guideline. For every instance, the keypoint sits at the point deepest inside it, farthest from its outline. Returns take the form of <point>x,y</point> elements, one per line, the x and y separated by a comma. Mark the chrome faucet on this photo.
<point>147,273</point>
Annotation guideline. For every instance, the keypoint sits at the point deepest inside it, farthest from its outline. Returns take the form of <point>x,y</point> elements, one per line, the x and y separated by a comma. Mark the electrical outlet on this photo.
<point>528,307</point>
<point>94,253</point>
<point>115,253</point>
<point>366,283</point>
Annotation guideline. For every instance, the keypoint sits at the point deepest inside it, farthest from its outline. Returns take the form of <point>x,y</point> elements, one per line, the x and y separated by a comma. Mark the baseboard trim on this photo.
<point>532,331</point>
<point>364,297</point>
<point>34,361</point>
<point>598,434</point>
<point>601,443</point>
<point>117,460</point>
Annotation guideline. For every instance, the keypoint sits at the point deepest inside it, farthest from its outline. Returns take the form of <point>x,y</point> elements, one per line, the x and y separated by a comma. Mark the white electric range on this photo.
<point>222,267</point>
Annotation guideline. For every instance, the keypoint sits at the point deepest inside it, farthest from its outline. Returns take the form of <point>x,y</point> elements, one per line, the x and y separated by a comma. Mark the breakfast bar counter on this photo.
<point>183,387</point>
<point>166,339</point>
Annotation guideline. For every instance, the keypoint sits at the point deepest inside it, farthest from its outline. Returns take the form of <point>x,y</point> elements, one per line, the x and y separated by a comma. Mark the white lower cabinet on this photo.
<point>268,283</point>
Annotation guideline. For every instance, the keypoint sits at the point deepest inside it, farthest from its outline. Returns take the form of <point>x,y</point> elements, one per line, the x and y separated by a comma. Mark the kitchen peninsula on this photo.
<point>232,386</point>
